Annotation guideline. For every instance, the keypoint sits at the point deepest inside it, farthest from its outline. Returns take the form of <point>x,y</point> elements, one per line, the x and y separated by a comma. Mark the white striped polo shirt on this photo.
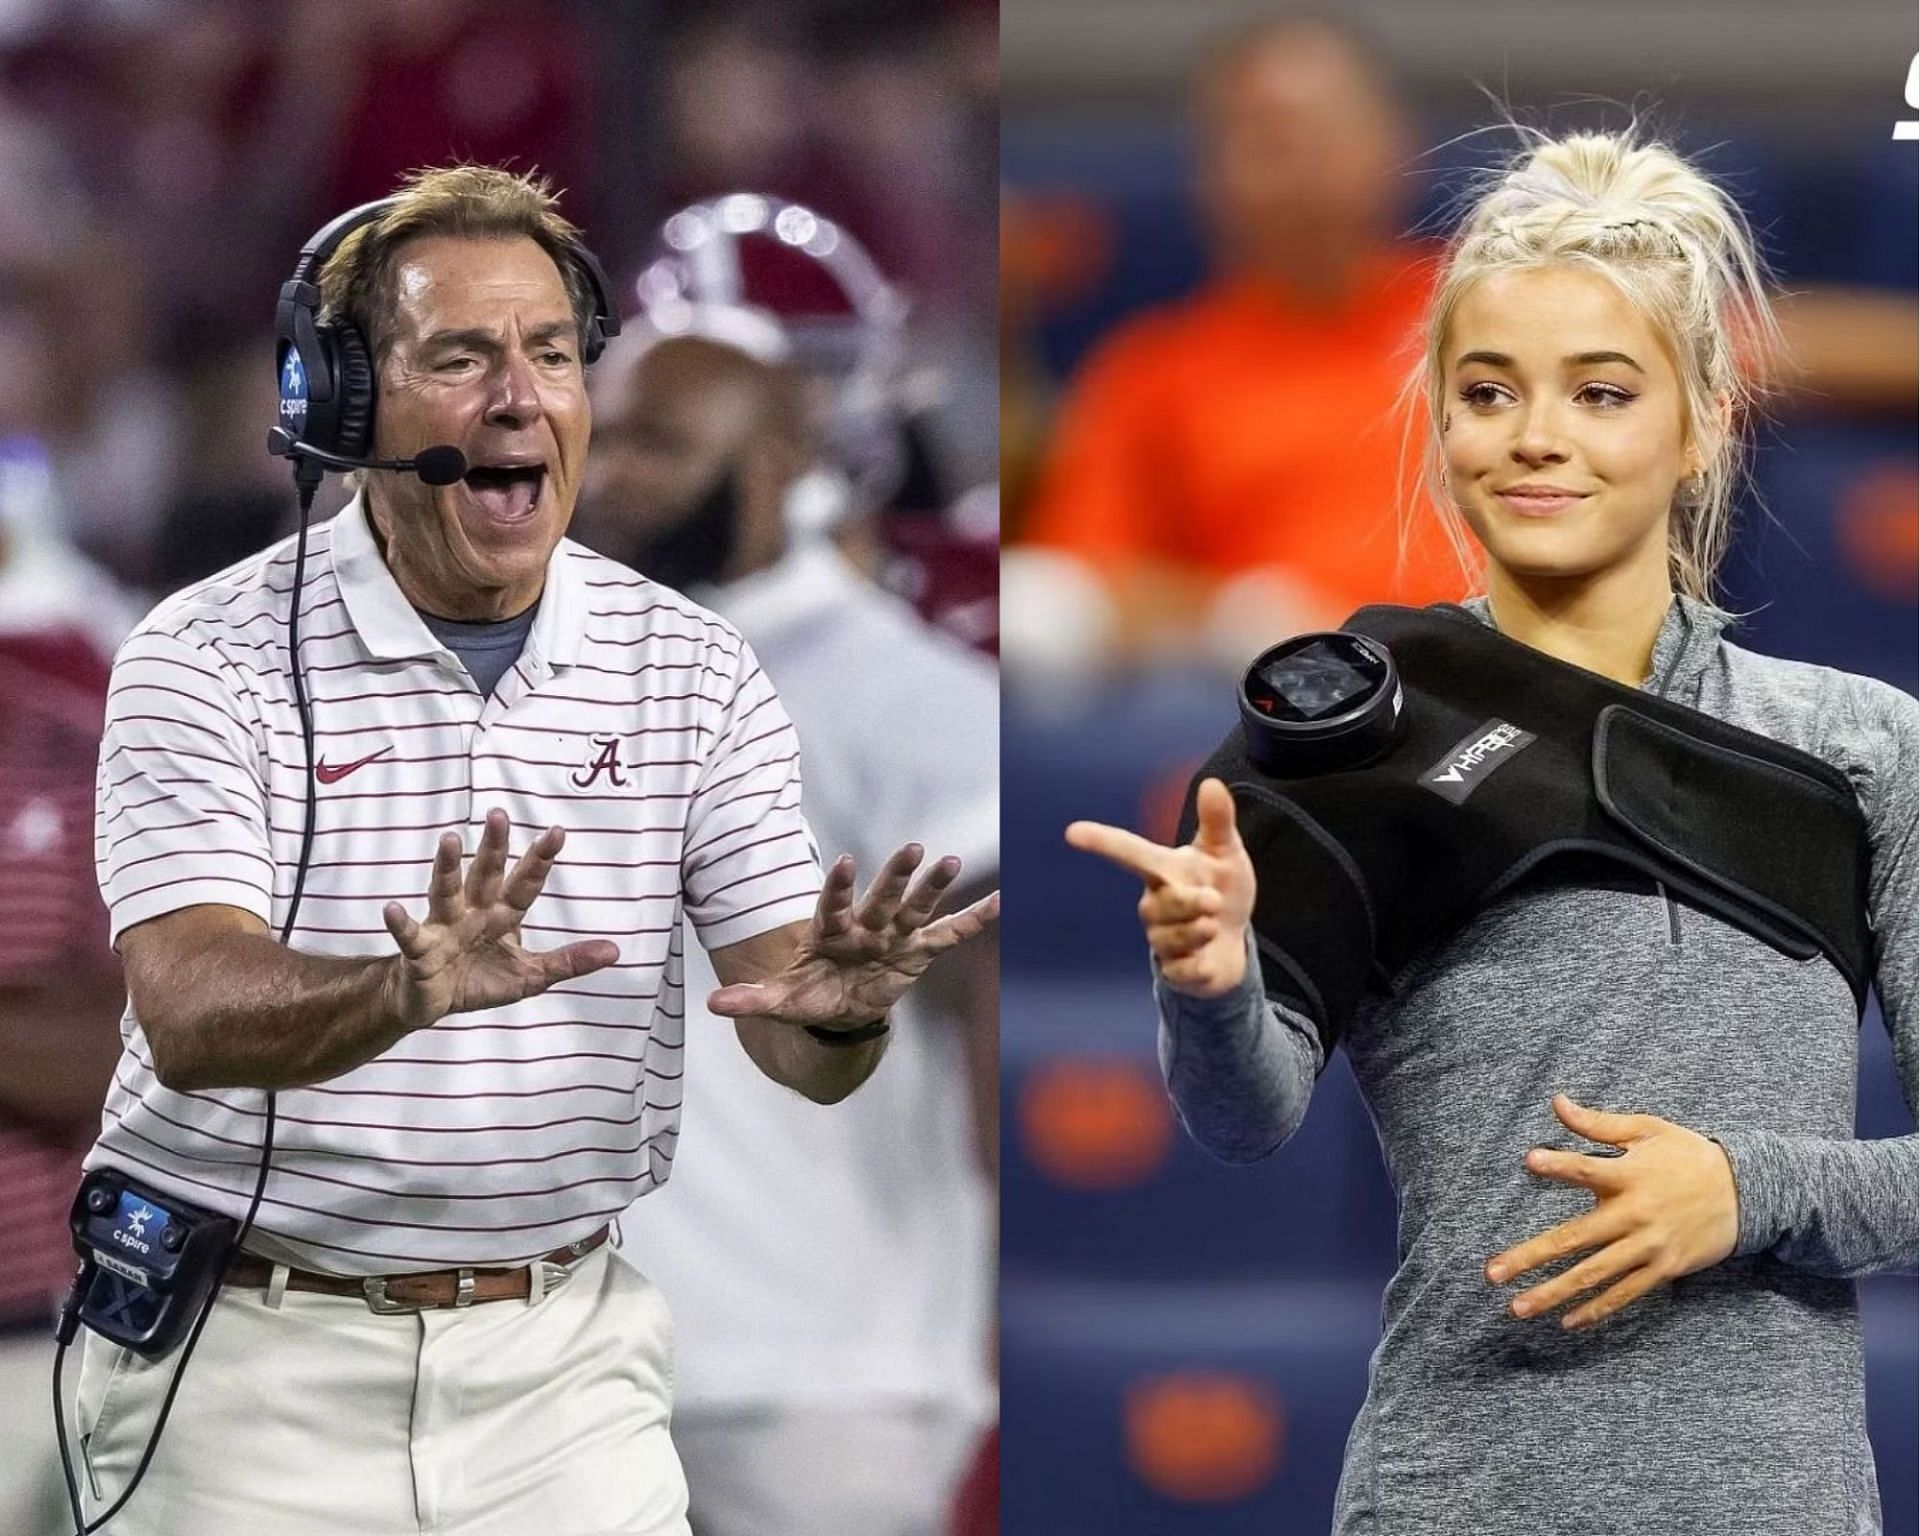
<point>635,719</point>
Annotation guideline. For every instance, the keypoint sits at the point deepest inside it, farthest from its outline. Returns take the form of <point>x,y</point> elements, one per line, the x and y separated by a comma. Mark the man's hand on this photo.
<point>852,965</point>
<point>1665,1208</point>
<point>1198,898</point>
<point>467,954</point>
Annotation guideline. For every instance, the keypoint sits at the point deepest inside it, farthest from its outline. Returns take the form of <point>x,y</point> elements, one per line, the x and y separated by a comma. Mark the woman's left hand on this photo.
<point>1664,1208</point>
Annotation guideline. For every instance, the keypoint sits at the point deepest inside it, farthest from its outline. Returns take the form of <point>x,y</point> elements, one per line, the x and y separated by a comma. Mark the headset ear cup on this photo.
<point>353,374</point>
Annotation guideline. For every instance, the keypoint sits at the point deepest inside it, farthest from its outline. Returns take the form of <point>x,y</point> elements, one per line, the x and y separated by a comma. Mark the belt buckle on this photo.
<point>377,1301</point>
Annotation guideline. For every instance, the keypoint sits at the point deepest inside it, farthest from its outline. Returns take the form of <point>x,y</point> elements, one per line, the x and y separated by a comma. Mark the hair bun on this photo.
<point>1680,250</point>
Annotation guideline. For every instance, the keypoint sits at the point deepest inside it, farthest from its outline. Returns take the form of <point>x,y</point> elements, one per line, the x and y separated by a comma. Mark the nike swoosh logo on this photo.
<point>326,773</point>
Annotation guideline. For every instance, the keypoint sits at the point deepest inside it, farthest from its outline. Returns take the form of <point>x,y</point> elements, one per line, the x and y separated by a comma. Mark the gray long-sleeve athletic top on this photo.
<point>1731,1402</point>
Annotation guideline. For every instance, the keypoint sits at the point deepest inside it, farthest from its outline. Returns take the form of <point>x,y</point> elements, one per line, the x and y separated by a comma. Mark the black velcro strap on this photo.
<point>1764,843</point>
<point>1311,890</point>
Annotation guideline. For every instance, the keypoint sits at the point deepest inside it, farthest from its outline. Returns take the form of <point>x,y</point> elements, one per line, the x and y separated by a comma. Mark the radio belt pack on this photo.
<point>1392,778</point>
<point>148,1261</point>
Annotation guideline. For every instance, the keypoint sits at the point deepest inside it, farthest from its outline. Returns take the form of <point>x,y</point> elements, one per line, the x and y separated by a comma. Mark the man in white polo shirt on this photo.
<point>428,1333</point>
<point>831,1274</point>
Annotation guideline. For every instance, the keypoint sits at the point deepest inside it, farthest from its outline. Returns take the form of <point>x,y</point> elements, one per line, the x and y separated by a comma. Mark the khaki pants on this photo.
<point>319,1417</point>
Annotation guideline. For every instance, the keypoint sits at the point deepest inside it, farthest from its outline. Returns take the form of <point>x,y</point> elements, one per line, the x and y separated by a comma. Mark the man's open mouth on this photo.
<point>507,492</point>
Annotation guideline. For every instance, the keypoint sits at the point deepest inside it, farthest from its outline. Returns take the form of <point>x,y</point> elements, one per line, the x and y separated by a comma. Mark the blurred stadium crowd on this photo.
<point>166,158</point>
<point>161,164</point>
<point>1207,310</point>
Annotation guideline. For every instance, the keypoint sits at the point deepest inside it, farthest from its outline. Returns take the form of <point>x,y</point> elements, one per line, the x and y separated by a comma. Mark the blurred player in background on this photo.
<point>831,1275</point>
<point>60,986</point>
<point>1224,469</point>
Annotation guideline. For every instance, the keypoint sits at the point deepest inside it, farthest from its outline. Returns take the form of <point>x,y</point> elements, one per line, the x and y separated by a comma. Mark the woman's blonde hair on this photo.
<point>1680,250</point>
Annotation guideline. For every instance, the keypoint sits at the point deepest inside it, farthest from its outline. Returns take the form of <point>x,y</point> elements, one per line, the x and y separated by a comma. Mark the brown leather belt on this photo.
<point>434,1288</point>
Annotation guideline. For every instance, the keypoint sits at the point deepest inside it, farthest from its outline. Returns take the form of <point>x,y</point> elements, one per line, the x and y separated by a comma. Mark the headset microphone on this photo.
<point>441,464</point>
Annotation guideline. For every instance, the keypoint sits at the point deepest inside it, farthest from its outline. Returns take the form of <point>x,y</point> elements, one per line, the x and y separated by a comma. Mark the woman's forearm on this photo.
<point>1239,1070</point>
<point>1833,1207</point>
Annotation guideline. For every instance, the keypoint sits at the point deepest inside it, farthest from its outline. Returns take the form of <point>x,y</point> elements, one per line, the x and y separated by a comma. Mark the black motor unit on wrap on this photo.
<point>1486,758</point>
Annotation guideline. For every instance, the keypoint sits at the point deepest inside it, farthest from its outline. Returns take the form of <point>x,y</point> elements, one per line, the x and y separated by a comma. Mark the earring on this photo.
<point>1693,491</point>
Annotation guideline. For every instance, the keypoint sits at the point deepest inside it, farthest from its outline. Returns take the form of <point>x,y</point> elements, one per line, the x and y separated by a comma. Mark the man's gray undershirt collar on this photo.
<point>486,648</point>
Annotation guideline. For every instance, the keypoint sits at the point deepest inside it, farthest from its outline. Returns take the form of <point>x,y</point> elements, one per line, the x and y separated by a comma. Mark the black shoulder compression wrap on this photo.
<point>1509,758</point>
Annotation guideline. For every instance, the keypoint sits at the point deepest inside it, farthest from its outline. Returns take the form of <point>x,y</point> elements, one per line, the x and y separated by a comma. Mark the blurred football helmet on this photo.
<point>783,283</point>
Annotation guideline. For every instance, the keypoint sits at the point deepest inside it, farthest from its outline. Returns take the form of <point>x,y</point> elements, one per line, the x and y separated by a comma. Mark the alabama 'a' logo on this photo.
<point>606,761</point>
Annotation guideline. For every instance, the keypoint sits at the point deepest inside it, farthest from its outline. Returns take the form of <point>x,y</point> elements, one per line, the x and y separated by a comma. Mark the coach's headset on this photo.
<point>327,372</point>
<point>151,1265</point>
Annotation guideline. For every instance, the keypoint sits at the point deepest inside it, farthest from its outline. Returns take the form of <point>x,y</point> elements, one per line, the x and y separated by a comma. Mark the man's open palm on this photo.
<point>854,963</point>
<point>467,954</point>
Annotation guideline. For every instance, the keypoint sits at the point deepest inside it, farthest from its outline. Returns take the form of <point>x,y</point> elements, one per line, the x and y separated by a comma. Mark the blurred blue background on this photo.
<point>1185,1344</point>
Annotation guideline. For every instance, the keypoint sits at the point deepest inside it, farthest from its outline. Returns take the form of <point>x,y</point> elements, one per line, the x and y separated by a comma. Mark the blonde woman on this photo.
<point>1662,1338</point>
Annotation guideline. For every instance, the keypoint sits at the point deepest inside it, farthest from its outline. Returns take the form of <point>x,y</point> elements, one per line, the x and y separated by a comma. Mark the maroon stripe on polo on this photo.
<point>412,1128</point>
<point>634,672</point>
<point>281,618</point>
<point>278,643</point>
<point>381,1158</point>
<point>678,610</point>
<point>758,842</point>
<point>641,581</point>
<point>172,751</point>
<point>712,637</point>
<point>623,732</point>
<point>293,1169</point>
<point>320,703</point>
<point>738,800</point>
<point>493,1093</point>
<point>157,660</point>
<point>644,1182</point>
<point>201,879</point>
<point>444,1063</point>
<point>360,1219</point>
<point>333,796</point>
<point>377,665</point>
<point>701,921</point>
<point>206,820</point>
<point>175,853</point>
<point>365,829</point>
<point>779,729</point>
<point>549,696</point>
<point>374,728</point>
<point>551,892</point>
<point>175,720</point>
<point>566,861</point>
<point>263,587</point>
<point>197,700</point>
<point>173,802</point>
<point>763,874</point>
